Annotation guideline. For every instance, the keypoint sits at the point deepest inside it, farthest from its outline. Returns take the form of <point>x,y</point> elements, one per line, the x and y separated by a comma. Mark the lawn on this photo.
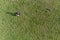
<point>39,20</point>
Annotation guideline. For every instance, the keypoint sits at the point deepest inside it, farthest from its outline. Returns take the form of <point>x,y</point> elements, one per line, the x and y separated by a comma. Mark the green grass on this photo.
<point>39,20</point>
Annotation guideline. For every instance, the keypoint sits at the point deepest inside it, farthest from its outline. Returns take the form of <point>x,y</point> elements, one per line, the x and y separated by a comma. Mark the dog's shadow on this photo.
<point>11,13</point>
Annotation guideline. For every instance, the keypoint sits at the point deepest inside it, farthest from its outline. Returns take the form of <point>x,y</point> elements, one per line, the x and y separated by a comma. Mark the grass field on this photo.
<point>39,20</point>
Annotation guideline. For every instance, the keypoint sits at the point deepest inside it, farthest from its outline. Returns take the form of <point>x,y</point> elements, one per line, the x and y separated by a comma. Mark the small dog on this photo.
<point>17,13</point>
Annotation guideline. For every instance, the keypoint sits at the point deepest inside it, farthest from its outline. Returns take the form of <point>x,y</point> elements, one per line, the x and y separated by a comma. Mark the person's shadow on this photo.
<point>11,13</point>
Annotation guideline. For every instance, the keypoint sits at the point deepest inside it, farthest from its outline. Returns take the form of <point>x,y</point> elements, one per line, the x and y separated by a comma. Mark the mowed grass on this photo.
<point>39,20</point>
